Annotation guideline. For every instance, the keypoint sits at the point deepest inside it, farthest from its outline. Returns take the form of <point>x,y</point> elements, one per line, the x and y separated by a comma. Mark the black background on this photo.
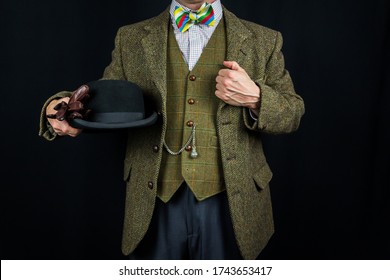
<point>65,199</point>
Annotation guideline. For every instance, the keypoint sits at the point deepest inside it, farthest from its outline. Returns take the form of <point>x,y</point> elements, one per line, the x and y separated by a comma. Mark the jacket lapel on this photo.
<point>155,48</point>
<point>237,36</point>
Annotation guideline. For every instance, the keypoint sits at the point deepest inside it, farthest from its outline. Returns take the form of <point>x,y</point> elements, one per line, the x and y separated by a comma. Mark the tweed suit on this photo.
<point>140,56</point>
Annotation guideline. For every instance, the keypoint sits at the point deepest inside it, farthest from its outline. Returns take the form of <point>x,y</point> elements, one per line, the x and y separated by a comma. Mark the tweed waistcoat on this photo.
<point>191,100</point>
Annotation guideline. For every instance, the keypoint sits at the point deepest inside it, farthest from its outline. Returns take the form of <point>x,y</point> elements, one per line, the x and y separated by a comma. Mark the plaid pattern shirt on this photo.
<point>193,41</point>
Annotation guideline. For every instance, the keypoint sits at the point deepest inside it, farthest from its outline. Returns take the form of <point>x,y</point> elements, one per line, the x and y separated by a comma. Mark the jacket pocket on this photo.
<point>262,177</point>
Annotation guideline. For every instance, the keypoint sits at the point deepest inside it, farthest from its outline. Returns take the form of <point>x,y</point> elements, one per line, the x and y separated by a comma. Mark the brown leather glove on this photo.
<point>74,109</point>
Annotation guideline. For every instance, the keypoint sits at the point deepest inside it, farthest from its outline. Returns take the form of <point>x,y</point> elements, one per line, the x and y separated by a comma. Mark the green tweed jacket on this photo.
<point>140,56</point>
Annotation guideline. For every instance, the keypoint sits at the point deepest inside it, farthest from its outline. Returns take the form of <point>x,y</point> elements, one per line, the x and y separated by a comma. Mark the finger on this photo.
<point>233,65</point>
<point>224,90</point>
<point>71,131</point>
<point>73,134</point>
<point>224,72</point>
<point>57,129</point>
<point>62,128</point>
<point>225,84</point>
<point>219,79</point>
<point>229,74</point>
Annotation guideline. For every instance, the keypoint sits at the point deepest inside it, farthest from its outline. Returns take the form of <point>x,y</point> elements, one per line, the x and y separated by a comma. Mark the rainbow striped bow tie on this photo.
<point>185,20</point>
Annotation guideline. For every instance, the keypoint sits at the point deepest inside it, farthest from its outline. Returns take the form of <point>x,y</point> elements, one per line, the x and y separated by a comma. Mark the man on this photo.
<point>217,79</point>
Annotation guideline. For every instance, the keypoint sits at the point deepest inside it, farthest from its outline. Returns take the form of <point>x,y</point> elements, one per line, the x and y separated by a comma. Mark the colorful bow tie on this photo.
<point>185,20</point>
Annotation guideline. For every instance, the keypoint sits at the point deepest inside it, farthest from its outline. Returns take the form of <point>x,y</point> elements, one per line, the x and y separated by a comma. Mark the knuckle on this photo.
<point>230,74</point>
<point>56,127</point>
<point>67,130</point>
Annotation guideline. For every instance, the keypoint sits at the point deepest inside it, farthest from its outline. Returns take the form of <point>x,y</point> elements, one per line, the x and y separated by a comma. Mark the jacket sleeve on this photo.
<point>281,108</point>
<point>114,71</point>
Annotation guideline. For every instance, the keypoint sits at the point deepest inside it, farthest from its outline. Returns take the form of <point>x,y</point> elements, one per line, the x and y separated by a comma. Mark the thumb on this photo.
<point>233,65</point>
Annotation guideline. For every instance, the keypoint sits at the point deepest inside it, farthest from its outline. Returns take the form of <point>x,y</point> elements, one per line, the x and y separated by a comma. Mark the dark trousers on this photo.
<point>185,228</point>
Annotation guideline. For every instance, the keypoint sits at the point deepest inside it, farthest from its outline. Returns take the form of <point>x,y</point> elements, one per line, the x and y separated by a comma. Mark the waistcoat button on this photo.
<point>191,101</point>
<point>192,78</point>
<point>190,123</point>
<point>189,148</point>
<point>156,148</point>
<point>150,185</point>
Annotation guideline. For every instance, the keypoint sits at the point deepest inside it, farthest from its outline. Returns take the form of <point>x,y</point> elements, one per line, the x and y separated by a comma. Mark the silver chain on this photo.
<point>194,154</point>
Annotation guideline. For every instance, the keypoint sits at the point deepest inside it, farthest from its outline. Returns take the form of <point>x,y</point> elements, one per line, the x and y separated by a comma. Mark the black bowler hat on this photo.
<point>114,104</point>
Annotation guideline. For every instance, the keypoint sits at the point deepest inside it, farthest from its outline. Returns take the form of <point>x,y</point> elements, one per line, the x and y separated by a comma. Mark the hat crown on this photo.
<point>114,104</point>
<point>115,96</point>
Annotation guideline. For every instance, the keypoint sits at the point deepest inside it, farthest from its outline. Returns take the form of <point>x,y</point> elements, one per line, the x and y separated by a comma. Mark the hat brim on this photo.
<point>84,124</point>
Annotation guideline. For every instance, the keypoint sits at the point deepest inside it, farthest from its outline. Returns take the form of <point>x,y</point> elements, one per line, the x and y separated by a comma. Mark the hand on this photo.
<point>235,87</point>
<point>62,128</point>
